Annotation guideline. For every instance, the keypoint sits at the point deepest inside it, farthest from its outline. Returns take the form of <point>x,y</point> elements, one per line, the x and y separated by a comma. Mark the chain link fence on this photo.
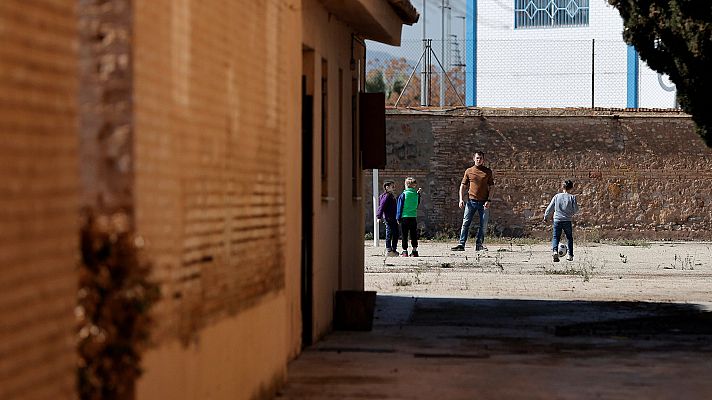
<point>517,73</point>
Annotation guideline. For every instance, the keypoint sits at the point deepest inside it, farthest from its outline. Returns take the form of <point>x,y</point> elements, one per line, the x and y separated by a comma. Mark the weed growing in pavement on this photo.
<point>529,255</point>
<point>685,263</point>
<point>582,272</point>
<point>402,282</point>
<point>513,241</point>
<point>635,243</point>
<point>585,269</point>
<point>419,281</point>
<point>498,261</point>
<point>445,236</point>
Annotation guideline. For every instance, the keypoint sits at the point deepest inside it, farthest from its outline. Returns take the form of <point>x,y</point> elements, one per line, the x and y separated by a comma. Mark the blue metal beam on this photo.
<point>471,55</point>
<point>632,78</point>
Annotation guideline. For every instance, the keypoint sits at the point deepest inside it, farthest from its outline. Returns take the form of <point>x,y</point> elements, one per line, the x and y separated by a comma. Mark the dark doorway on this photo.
<point>307,213</point>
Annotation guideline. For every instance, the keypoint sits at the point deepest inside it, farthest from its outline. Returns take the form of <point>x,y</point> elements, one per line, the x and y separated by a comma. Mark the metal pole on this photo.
<point>430,71</point>
<point>464,48</point>
<point>423,80</point>
<point>442,52</point>
<point>376,234</point>
<point>593,68</point>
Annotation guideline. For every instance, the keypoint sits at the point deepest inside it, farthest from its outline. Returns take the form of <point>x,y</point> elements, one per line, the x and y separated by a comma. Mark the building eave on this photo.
<point>378,20</point>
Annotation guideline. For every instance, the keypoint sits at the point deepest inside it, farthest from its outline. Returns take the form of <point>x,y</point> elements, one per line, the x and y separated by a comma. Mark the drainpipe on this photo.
<point>424,78</point>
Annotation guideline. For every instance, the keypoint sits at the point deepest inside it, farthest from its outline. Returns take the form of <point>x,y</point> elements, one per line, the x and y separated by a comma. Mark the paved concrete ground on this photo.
<point>497,327</point>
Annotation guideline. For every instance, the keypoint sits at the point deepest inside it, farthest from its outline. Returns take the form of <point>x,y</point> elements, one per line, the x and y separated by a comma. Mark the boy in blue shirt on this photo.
<point>407,213</point>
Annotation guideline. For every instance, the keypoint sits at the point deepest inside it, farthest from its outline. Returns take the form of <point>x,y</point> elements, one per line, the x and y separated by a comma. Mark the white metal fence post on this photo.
<point>375,207</point>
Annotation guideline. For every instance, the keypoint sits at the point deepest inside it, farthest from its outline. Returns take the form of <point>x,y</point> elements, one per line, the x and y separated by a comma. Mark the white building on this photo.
<point>555,53</point>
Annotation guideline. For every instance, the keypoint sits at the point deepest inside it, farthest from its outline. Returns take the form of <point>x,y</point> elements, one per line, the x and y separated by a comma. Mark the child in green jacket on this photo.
<point>407,213</point>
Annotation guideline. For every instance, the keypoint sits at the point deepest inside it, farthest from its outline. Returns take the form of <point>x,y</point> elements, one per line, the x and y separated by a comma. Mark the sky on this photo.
<point>433,20</point>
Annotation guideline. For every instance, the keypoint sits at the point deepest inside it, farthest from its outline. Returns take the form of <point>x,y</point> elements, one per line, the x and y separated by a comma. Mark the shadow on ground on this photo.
<point>451,348</point>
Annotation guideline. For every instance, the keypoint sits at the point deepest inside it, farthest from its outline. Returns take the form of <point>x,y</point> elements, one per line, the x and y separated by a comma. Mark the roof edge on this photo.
<point>405,11</point>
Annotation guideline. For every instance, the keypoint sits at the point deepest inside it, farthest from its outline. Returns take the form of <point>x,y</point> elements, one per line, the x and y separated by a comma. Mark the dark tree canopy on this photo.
<point>375,83</point>
<point>675,38</point>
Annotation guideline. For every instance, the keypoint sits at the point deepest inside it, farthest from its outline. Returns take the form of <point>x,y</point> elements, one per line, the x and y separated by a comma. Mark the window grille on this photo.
<point>550,13</point>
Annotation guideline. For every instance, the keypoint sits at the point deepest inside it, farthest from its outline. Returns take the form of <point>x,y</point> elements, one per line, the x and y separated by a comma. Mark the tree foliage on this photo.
<point>674,37</point>
<point>375,82</point>
<point>390,75</point>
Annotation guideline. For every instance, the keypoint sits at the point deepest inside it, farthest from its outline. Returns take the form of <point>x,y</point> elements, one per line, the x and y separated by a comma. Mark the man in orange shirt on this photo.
<point>475,191</point>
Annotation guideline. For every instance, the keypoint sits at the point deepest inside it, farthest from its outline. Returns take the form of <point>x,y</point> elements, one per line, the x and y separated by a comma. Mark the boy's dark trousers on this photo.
<point>409,227</point>
<point>392,235</point>
<point>567,227</point>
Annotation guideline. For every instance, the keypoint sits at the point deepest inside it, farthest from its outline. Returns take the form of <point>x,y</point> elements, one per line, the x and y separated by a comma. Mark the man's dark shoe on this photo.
<point>555,255</point>
<point>414,253</point>
<point>480,248</point>
<point>459,247</point>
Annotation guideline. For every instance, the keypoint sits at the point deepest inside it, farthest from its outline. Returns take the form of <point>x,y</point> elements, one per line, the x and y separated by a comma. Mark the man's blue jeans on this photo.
<point>568,230</point>
<point>472,206</point>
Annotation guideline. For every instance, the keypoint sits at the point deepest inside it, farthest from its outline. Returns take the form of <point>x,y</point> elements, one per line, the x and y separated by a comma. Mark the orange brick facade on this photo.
<point>38,199</point>
<point>210,128</point>
<point>184,117</point>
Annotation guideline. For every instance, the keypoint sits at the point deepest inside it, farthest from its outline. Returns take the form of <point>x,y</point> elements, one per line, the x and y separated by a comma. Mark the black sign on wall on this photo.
<point>372,123</point>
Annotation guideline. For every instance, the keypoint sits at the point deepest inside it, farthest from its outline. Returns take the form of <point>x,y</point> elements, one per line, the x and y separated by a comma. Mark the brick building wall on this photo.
<point>38,199</point>
<point>181,119</point>
<point>214,89</point>
<point>208,155</point>
<point>637,174</point>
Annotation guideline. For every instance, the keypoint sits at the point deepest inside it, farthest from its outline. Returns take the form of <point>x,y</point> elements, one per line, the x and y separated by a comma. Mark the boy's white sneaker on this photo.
<point>569,258</point>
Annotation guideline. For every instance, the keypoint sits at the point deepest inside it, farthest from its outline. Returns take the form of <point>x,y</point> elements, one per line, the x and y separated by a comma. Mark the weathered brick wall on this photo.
<point>38,199</point>
<point>105,101</point>
<point>637,174</point>
<point>209,134</point>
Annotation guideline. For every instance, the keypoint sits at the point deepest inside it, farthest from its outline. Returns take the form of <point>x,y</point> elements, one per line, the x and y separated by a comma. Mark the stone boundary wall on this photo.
<point>638,174</point>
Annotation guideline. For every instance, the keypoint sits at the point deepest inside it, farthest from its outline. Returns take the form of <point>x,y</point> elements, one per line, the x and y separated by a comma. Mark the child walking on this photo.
<point>387,212</point>
<point>564,207</point>
<point>406,215</point>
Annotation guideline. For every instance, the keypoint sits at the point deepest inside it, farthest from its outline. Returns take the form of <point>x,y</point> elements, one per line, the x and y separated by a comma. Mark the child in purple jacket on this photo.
<point>387,212</point>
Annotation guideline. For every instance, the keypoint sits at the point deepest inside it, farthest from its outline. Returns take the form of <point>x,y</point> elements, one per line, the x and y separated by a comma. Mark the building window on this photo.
<point>550,13</point>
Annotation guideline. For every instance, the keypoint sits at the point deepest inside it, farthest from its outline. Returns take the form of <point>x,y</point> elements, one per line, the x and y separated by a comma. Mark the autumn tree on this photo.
<point>375,82</point>
<point>674,37</point>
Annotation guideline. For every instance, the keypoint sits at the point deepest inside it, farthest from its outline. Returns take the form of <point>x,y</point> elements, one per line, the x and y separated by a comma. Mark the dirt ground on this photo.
<point>524,269</point>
